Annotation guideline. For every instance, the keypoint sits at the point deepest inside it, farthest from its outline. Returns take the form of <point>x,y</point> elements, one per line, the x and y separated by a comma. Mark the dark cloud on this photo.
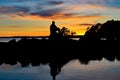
<point>13,9</point>
<point>55,2</point>
<point>70,14</point>
<point>43,12</point>
<point>22,11</point>
<point>47,13</point>
<point>90,15</point>
<point>38,9</point>
<point>86,24</point>
<point>77,15</point>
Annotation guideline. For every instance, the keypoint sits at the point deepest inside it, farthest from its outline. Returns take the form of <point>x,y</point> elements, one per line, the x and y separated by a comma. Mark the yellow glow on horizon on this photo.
<point>7,34</point>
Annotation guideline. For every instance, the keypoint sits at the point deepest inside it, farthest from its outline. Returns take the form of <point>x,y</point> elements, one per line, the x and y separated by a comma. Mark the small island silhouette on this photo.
<point>100,41</point>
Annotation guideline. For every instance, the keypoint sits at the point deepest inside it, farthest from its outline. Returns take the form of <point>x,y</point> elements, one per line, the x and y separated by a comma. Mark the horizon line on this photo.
<point>74,36</point>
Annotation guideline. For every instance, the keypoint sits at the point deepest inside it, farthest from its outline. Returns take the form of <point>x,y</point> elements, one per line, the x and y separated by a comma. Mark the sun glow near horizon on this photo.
<point>40,26</point>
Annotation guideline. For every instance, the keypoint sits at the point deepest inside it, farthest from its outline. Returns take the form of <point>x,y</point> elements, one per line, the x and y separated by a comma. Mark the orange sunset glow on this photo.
<point>33,18</point>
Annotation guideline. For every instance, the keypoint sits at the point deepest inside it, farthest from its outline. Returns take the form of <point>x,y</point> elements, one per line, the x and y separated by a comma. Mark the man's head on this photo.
<point>53,22</point>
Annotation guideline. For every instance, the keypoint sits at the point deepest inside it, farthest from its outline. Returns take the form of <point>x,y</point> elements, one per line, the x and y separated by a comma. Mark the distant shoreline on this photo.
<point>8,38</point>
<point>75,36</point>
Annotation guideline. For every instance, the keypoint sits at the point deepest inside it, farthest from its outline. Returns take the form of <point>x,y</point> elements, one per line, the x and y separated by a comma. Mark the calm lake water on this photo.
<point>73,70</point>
<point>17,39</point>
<point>8,39</point>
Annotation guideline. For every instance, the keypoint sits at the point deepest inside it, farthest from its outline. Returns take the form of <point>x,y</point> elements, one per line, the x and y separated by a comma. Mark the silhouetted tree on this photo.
<point>73,33</point>
<point>91,33</point>
<point>65,31</point>
<point>109,30</point>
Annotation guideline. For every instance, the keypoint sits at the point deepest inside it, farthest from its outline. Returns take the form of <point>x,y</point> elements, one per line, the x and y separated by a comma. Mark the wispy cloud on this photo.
<point>55,2</point>
<point>57,9</point>
<point>47,13</point>
<point>13,9</point>
<point>86,24</point>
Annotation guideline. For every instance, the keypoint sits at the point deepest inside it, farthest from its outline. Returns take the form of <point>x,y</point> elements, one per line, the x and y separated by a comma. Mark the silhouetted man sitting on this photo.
<point>54,30</point>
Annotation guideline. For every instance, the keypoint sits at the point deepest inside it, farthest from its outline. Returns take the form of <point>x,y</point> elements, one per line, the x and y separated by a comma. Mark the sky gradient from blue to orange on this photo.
<point>33,17</point>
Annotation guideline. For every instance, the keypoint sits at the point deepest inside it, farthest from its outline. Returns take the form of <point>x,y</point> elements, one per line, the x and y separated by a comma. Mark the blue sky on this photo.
<point>57,6</point>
